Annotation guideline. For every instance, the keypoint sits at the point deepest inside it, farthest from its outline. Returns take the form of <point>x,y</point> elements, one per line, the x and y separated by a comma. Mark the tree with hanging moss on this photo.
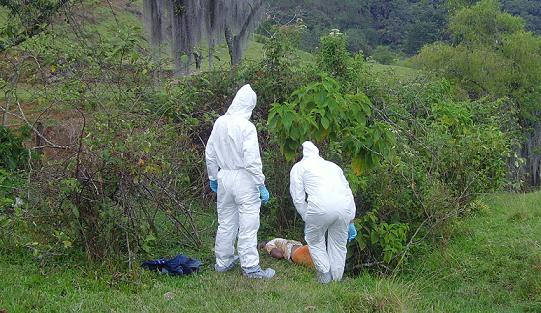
<point>186,24</point>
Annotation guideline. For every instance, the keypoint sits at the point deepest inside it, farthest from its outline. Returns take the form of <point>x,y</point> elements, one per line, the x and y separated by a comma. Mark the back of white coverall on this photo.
<point>329,207</point>
<point>232,158</point>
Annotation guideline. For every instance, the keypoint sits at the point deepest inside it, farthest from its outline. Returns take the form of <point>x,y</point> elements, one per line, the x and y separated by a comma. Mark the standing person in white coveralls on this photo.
<point>236,174</point>
<point>322,197</point>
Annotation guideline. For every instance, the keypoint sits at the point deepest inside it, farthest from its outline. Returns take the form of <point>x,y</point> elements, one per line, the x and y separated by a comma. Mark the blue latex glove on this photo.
<point>214,185</point>
<point>352,232</point>
<point>264,193</point>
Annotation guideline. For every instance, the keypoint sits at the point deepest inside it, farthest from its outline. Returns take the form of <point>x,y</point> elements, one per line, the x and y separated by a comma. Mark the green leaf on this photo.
<point>361,243</point>
<point>387,257</point>
<point>287,120</point>
<point>295,133</point>
<point>373,238</point>
<point>325,122</point>
<point>357,165</point>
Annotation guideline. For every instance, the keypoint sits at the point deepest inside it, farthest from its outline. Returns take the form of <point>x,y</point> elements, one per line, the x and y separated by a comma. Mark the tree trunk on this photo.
<point>238,50</point>
<point>183,31</point>
<point>198,58</point>
<point>531,151</point>
<point>230,45</point>
<point>212,43</point>
<point>153,22</point>
<point>5,115</point>
<point>235,42</point>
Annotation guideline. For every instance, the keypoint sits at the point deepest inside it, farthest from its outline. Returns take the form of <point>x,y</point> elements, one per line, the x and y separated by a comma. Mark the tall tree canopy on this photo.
<point>186,24</point>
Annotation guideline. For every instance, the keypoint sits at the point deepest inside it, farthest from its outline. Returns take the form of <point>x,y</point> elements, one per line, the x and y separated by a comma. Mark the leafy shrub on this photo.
<point>280,71</point>
<point>333,54</point>
<point>492,55</point>
<point>14,159</point>
<point>320,113</point>
<point>10,184</point>
<point>123,182</point>
<point>446,153</point>
<point>13,154</point>
<point>414,156</point>
<point>104,194</point>
<point>334,59</point>
<point>378,242</point>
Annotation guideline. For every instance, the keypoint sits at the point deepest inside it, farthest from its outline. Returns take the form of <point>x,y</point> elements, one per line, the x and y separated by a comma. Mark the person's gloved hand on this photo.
<point>214,185</point>
<point>264,193</point>
<point>352,232</point>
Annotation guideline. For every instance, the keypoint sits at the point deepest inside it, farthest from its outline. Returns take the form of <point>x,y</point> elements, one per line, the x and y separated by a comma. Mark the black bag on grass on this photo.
<point>179,265</point>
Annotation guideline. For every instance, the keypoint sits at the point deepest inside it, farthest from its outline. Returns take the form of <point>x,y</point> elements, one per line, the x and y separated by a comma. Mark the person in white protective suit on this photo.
<point>236,173</point>
<point>322,197</point>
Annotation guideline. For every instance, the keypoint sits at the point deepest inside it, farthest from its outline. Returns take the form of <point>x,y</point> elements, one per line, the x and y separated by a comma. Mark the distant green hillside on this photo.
<point>405,25</point>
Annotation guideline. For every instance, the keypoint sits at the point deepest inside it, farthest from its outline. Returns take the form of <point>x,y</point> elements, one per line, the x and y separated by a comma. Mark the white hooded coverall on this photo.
<point>232,158</point>
<point>329,207</point>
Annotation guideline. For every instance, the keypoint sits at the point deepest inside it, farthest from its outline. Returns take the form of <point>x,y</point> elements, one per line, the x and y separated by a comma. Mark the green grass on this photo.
<point>393,72</point>
<point>492,263</point>
<point>293,290</point>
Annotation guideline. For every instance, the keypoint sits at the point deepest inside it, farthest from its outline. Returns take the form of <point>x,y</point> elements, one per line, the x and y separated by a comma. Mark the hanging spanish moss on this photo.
<point>532,155</point>
<point>186,23</point>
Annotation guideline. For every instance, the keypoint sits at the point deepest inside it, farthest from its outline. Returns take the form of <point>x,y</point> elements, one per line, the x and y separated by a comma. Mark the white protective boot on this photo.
<point>324,278</point>
<point>220,269</point>
<point>257,272</point>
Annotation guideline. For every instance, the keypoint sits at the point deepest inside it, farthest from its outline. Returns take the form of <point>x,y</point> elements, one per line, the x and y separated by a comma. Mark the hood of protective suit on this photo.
<point>244,102</point>
<point>309,150</point>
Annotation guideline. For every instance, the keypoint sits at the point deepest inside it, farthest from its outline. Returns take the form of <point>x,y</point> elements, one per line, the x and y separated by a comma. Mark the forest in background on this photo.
<point>383,27</point>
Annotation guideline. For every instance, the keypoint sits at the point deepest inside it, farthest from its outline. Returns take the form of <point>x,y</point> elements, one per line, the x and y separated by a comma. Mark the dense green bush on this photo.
<point>128,176</point>
<point>13,154</point>
<point>492,55</point>
<point>14,159</point>
<point>319,112</point>
<point>447,152</point>
<point>377,244</point>
<point>433,154</point>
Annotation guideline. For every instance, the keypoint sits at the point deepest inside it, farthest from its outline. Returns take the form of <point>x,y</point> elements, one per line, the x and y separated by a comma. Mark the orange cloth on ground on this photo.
<point>302,256</point>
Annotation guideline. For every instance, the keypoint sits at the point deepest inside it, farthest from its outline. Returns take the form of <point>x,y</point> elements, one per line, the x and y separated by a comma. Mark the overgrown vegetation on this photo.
<point>121,174</point>
<point>493,56</point>
<point>416,156</point>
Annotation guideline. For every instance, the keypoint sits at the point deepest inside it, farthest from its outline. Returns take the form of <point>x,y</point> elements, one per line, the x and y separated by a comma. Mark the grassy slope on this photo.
<point>492,264</point>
